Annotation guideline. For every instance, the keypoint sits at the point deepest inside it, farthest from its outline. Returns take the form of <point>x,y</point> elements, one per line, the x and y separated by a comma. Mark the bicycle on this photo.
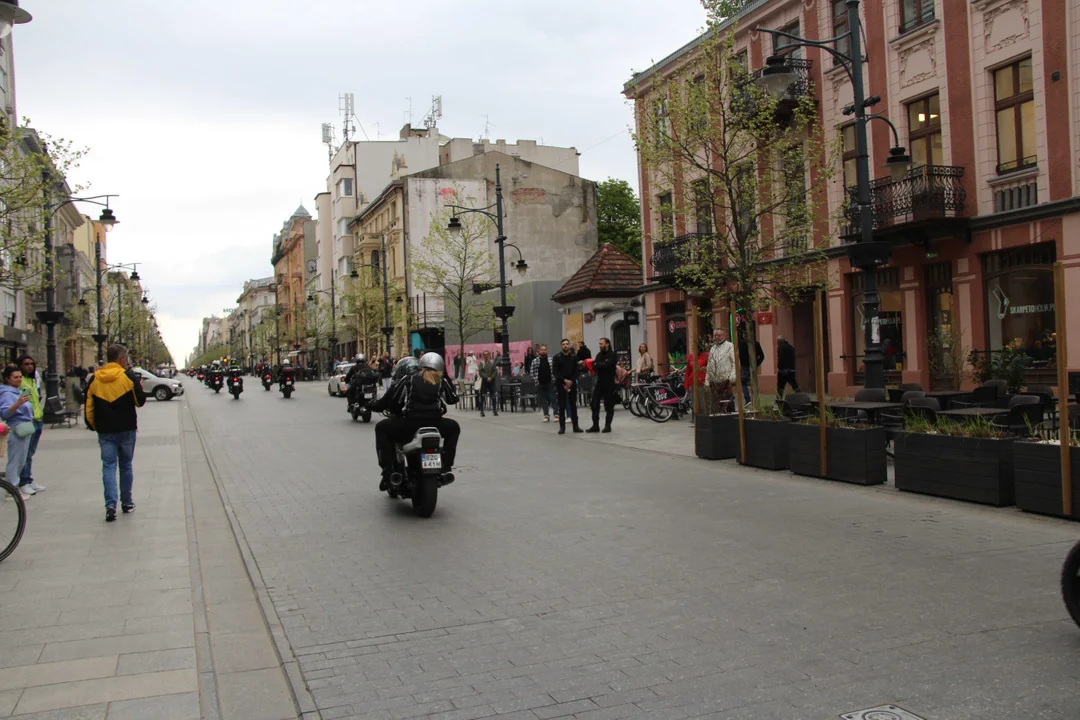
<point>12,527</point>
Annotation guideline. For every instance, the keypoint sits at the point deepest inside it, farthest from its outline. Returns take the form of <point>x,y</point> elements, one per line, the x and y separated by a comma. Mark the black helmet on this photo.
<point>405,367</point>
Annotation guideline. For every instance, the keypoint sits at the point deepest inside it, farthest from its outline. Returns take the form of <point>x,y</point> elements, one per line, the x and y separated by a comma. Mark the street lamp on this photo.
<point>502,311</point>
<point>333,305</point>
<point>867,254</point>
<point>387,329</point>
<point>10,15</point>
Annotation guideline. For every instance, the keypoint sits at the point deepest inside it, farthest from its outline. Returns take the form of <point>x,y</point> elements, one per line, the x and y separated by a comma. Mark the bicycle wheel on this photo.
<point>12,518</point>
<point>637,405</point>
<point>660,413</point>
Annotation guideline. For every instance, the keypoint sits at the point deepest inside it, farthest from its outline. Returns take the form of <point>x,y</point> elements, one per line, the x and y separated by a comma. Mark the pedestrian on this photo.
<point>720,372</point>
<point>386,369</point>
<point>645,365</point>
<point>470,367</point>
<point>488,373</point>
<point>459,366</point>
<point>583,352</point>
<point>31,383</point>
<point>564,368</point>
<point>530,356</point>
<point>16,410</point>
<point>545,388</point>
<point>744,363</point>
<point>701,361</point>
<point>604,365</point>
<point>785,366</point>
<point>111,404</point>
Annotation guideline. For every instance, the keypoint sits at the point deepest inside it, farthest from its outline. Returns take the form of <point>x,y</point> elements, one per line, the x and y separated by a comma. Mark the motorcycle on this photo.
<point>216,383</point>
<point>236,386</point>
<point>201,377</point>
<point>1070,583</point>
<point>364,397</point>
<point>286,386</point>
<point>267,381</point>
<point>418,472</point>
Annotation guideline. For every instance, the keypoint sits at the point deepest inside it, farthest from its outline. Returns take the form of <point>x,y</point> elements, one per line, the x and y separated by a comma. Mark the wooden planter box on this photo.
<point>1037,470</point>
<point>856,455</point>
<point>716,437</point>
<point>973,469</point>
<point>766,443</point>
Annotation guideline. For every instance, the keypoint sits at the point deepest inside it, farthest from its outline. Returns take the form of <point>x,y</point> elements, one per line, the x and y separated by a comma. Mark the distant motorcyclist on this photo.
<point>286,369</point>
<point>359,375</point>
<point>418,397</point>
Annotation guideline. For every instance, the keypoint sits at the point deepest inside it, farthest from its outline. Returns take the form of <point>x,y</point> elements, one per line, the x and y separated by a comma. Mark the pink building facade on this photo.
<point>985,96</point>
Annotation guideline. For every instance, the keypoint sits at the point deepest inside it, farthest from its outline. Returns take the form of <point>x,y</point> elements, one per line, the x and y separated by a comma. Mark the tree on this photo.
<point>214,352</point>
<point>365,311</point>
<point>317,324</point>
<point>618,216</point>
<point>737,163</point>
<point>450,264</point>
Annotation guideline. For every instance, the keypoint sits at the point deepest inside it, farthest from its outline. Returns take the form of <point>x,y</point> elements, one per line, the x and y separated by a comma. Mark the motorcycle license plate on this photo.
<point>369,394</point>
<point>431,461</point>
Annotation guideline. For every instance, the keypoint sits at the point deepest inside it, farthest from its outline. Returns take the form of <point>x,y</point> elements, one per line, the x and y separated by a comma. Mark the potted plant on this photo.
<point>856,454</point>
<point>1009,365</point>
<point>970,461</point>
<point>766,440</point>
<point>1037,471</point>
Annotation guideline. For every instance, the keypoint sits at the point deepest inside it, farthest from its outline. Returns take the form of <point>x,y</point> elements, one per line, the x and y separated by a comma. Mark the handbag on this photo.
<point>479,382</point>
<point>24,429</point>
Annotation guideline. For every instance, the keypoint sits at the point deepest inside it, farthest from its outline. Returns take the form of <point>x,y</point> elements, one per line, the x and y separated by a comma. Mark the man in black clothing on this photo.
<point>544,378</point>
<point>359,376</point>
<point>785,366</point>
<point>565,369</point>
<point>744,363</point>
<point>604,366</point>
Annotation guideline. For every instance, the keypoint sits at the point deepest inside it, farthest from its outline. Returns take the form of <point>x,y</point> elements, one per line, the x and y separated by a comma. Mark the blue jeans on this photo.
<point>745,372</point>
<point>25,477</point>
<point>547,397</point>
<point>17,448</point>
<point>117,447</point>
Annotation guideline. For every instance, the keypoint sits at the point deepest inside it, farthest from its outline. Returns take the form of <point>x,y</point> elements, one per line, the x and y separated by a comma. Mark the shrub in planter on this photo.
<point>1037,471</point>
<point>766,441</point>
<point>971,461</point>
<point>716,437</point>
<point>855,454</point>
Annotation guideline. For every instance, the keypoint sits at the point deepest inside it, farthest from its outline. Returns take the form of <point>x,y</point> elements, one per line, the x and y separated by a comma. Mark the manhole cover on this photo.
<point>882,712</point>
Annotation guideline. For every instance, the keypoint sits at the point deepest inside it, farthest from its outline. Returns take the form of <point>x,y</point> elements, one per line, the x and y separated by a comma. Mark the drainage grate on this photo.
<point>882,712</point>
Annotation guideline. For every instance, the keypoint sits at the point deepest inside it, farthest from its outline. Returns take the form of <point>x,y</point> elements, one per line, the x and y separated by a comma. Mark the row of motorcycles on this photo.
<point>216,379</point>
<point>286,384</point>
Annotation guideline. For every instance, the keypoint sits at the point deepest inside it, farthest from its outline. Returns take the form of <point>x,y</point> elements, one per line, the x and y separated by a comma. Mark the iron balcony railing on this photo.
<point>803,83</point>
<point>669,254</point>
<point>923,193</point>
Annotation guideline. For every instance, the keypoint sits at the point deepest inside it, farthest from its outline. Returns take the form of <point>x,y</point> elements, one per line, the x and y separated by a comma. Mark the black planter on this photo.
<point>973,469</point>
<point>856,455</point>
<point>766,444</point>
<point>1037,470</point>
<point>716,437</point>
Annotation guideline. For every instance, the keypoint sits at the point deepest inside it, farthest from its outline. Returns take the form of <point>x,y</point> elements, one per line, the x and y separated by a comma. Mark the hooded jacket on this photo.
<point>112,398</point>
<point>8,396</point>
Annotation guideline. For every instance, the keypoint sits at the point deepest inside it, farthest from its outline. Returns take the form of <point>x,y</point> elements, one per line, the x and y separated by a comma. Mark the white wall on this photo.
<point>601,326</point>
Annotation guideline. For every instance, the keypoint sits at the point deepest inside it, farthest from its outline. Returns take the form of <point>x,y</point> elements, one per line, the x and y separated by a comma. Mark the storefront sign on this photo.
<point>631,317</point>
<point>589,317</point>
<point>674,325</point>
<point>764,318</point>
<point>1029,309</point>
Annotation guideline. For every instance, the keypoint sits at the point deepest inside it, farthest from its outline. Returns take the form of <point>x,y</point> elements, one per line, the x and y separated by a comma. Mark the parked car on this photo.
<point>337,387</point>
<point>161,388</point>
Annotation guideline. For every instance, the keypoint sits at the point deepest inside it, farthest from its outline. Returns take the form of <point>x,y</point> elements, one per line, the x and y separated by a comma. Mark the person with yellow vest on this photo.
<point>31,386</point>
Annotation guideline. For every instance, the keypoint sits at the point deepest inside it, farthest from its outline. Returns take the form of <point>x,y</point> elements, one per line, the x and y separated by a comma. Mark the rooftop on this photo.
<point>608,273</point>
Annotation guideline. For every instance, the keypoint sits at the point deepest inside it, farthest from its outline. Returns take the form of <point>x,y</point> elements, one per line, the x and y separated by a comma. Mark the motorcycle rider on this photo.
<point>418,397</point>
<point>359,375</point>
<point>235,372</point>
<point>287,370</point>
<point>217,373</point>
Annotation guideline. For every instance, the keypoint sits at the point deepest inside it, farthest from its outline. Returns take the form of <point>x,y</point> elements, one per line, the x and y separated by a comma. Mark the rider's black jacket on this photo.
<point>412,396</point>
<point>362,374</point>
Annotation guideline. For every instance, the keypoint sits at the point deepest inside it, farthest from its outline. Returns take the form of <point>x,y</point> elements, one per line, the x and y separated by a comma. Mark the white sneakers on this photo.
<point>547,419</point>
<point>37,488</point>
<point>27,491</point>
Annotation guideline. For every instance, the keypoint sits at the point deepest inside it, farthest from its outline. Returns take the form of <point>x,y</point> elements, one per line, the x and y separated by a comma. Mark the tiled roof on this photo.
<point>608,273</point>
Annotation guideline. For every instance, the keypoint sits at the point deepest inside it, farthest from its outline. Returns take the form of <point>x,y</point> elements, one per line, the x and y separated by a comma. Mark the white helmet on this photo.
<point>432,361</point>
<point>360,358</point>
<point>285,362</point>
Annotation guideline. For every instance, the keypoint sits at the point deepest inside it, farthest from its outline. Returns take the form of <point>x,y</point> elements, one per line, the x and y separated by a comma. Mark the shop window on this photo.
<point>1020,302</point>
<point>915,13</point>
<point>1014,103</point>
<point>924,131</point>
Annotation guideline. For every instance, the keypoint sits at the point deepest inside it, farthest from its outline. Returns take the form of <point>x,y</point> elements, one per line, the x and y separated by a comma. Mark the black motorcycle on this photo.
<point>216,382</point>
<point>360,409</point>
<point>236,386</point>
<point>418,471</point>
<point>286,386</point>
<point>1070,583</point>
<point>267,381</point>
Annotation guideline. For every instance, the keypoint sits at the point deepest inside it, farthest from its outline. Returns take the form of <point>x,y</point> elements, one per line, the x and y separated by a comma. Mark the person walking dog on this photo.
<point>111,402</point>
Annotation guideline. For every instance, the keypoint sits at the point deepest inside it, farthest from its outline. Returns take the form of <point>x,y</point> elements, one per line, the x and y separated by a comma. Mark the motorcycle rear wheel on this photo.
<point>217,390</point>
<point>425,495</point>
<point>288,393</point>
<point>1070,583</point>
<point>366,416</point>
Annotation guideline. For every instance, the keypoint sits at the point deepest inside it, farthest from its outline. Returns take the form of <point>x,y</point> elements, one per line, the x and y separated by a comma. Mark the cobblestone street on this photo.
<point>564,577</point>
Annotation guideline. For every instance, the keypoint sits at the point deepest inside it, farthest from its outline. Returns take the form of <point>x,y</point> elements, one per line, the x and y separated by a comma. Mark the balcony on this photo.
<point>925,204</point>
<point>668,255</point>
<point>803,85</point>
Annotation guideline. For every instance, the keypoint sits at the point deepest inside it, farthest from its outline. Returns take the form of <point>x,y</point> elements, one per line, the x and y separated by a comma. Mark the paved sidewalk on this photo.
<point>99,618</point>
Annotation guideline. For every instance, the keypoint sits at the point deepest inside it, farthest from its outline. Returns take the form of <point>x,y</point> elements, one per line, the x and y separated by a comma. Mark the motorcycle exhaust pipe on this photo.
<point>395,479</point>
<point>447,478</point>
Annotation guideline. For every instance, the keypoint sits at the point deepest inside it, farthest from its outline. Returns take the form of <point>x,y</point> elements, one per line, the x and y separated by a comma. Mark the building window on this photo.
<point>924,131</point>
<point>840,26</point>
<point>1014,102</point>
<point>1020,302</point>
<point>849,154</point>
<point>375,267</point>
<point>783,45</point>
<point>703,206</point>
<point>663,121</point>
<point>667,215</point>
<point>3,80</point>
<point>343,226</point>
<point>797,213</point>
<point>915,13</point>
<point>345,187</point>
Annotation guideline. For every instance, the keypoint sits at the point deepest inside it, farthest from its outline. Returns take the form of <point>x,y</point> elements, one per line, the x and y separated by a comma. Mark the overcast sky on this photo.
<point>204,116</point>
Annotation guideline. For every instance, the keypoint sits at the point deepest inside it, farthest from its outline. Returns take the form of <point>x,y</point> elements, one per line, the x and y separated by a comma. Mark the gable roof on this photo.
<point>608,273</point>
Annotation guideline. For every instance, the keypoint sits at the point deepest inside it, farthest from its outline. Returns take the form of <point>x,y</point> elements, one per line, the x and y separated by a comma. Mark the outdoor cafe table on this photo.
<point>945,397</point>
<point>872,409</point>
<point>973,412</point>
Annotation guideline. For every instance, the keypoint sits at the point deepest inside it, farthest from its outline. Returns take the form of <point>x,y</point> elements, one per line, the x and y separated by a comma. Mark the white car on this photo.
<point>337,387</point>
<point>161,388</point>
